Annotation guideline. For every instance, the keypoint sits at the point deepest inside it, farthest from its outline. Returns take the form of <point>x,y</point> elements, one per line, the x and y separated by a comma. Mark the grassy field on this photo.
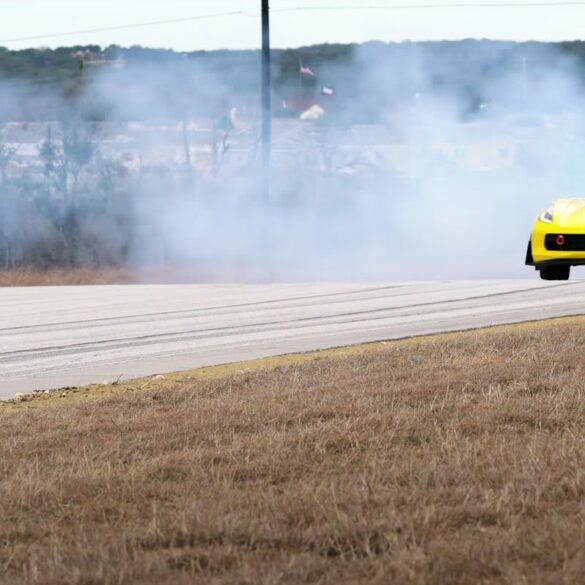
<point>455,459</point>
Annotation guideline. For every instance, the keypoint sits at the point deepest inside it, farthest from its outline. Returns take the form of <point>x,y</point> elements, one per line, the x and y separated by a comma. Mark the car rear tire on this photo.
<point>555,273</point>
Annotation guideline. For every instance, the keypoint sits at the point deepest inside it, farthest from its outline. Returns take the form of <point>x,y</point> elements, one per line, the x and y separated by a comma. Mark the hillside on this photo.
<point>465,67</point>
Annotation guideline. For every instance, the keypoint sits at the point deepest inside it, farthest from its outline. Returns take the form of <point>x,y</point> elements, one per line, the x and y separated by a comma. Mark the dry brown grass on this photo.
<point>63,277</point>
<point>168,274</point>
<point>456,459</point>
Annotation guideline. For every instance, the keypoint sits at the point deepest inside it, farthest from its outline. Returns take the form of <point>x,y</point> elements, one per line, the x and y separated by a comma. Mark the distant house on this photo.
<point>89,58</point>
<point>294,106</point>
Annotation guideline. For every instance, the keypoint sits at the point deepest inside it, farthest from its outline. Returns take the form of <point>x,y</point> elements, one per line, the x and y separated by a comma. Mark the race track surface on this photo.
<point>56,337</point>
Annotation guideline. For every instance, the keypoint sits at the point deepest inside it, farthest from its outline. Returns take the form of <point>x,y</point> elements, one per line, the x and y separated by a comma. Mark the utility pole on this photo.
<point>266,101</point>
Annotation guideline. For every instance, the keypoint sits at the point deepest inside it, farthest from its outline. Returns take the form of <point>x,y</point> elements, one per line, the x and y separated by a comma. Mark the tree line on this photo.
<point>467,68</point>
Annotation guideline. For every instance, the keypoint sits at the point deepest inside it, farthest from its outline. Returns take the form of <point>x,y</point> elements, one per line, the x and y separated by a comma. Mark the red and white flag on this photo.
<point>307,71</point>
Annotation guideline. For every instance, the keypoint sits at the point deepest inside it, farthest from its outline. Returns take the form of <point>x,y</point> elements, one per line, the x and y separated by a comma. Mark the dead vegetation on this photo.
<point>167,274</point>
<point>456,459</point>
<point>67,277</point>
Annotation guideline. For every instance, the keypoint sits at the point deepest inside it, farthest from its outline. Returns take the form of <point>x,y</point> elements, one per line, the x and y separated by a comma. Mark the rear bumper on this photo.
<point>544,251</point>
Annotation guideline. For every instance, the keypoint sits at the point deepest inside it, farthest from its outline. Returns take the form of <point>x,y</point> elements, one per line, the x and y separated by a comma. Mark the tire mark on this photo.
<point>217,332</point>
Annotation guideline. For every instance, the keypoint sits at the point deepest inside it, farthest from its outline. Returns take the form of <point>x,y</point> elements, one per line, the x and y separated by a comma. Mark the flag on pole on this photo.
<point>307,71</point>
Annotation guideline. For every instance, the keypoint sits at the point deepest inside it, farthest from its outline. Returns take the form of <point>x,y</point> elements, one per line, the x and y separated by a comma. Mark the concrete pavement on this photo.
<point>56,337</point>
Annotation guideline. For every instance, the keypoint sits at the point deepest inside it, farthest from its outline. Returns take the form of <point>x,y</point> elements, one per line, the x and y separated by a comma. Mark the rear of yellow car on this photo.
<point>558,239</point>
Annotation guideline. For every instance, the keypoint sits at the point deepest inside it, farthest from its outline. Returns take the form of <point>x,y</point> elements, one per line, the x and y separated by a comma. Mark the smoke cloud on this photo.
<point>425,164</point>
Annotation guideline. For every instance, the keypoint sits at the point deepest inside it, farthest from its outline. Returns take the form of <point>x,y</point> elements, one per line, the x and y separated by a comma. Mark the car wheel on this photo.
<point>555,273</point>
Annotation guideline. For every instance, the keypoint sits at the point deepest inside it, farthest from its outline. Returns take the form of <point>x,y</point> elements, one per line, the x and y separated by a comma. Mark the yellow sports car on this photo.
<point>558,239</point>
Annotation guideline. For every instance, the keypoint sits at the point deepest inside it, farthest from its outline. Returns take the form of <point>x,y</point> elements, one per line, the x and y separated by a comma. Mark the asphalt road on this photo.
<point>56,337</point>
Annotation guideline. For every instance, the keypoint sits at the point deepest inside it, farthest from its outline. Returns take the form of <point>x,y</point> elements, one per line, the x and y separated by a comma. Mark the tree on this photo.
<point>6,155</point>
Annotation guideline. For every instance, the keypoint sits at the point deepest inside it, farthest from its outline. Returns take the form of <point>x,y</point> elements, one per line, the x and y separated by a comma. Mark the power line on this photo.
<point>127,26</point>
<point>324,7</point>
<point>449,5</point>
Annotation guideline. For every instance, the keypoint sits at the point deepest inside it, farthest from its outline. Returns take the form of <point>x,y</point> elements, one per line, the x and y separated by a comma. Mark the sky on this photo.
<point>35,18</point>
